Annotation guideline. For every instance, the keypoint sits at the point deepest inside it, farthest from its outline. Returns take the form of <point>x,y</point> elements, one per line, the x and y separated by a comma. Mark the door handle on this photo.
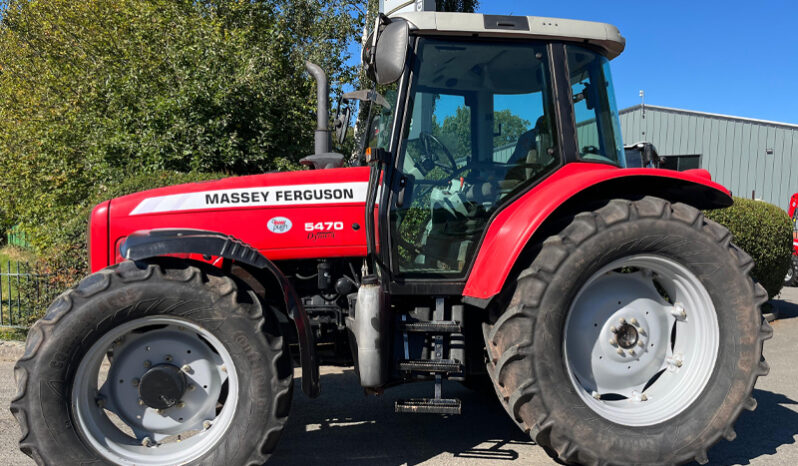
<point>400,198</point>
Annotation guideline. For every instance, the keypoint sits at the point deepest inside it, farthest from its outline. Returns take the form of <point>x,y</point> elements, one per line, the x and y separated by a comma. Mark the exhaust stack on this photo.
<point>322,135</point>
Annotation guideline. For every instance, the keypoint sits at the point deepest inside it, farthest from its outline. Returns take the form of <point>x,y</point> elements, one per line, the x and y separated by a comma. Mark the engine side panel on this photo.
<point>512,228</point>
<point>294,215</point>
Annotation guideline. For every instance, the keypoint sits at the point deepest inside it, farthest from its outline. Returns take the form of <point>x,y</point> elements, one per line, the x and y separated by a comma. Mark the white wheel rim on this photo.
<point>176,435</point>
<point>653,364</point>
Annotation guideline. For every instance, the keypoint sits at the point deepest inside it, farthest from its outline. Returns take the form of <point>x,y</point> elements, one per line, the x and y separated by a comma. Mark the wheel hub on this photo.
<point>627,336</point>
<point>162,386</point>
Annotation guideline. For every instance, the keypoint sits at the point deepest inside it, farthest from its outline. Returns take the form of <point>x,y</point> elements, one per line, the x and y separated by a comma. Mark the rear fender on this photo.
<point>148,244</point>
<point>535,214</point>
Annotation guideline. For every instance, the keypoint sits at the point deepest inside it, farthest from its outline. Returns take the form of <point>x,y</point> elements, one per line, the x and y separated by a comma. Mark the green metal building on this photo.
<point>753,158</point>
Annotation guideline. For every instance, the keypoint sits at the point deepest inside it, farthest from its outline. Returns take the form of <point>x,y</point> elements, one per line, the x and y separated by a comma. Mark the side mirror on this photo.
<point>342,118</point>
<point>385,62</point>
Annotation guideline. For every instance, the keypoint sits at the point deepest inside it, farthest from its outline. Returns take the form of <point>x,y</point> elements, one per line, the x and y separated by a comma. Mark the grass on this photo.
<point>9,333</point>
<point>15,254</point>
<point>10,255</point>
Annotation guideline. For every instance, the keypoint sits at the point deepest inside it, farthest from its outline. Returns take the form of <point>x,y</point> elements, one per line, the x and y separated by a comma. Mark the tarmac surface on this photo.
<point>343,426</point>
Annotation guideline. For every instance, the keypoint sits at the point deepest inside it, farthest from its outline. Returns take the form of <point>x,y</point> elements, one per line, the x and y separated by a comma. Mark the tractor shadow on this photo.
<point>759,433</point>
<point>786,309</point>
<point>343,426</point>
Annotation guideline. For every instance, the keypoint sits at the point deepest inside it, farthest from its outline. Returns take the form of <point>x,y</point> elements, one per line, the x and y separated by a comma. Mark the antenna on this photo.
<point>643,102</point>
<point>643,112</point>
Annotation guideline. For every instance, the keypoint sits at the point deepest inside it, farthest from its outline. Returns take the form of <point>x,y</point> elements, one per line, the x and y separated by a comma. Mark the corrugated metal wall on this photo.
<point>734,150</point>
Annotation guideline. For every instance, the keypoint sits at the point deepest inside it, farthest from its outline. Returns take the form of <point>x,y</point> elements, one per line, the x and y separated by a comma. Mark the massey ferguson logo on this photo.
<point>279,225</point>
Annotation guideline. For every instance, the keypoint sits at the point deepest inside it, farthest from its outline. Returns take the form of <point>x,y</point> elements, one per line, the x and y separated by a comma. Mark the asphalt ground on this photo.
<point>344,426</point>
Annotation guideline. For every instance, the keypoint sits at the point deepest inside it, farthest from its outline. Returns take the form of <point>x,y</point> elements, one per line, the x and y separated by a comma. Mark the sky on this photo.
<point>730,57</point>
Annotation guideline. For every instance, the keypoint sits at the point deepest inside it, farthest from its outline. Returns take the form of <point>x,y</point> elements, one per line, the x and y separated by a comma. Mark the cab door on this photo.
<point>478,129</point>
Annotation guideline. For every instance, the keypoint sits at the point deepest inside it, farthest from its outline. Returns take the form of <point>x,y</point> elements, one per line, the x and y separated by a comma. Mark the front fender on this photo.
<point>570,190</point>
<point>155,243</point>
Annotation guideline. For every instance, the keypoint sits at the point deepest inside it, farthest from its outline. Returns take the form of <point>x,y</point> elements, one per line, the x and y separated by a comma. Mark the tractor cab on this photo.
<point>475,110</point>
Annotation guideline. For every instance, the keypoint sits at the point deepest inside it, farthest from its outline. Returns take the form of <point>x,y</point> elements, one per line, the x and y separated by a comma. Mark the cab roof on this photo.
<point>604,36</point>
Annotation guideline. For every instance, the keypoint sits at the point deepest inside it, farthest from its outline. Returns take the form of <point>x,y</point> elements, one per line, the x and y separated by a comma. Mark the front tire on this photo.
<point>660,284</point>
<point>159,363</point>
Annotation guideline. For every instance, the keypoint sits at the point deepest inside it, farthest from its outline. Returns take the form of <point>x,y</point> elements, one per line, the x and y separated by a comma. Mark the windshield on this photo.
<point>598,128</point>
<point>481,127</point>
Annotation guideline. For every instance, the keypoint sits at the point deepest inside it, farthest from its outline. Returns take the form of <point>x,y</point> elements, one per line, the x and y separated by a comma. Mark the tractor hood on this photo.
<point>293,215</point>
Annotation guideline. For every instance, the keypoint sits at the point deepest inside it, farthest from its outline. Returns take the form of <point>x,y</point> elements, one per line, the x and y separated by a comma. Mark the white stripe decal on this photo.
<point>302,194</point>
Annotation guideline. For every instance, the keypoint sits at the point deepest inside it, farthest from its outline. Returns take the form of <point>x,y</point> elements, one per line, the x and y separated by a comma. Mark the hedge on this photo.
<point>64,255</point>
<point>764,231</point>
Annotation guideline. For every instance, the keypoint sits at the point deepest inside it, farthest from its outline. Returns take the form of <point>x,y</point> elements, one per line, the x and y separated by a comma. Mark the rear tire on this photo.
<point>222,356</point>
<point>555,387</point>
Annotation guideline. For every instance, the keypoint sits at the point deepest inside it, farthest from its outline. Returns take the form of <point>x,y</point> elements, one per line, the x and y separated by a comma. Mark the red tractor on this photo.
<point>494,235</point>
<point>792,273</point>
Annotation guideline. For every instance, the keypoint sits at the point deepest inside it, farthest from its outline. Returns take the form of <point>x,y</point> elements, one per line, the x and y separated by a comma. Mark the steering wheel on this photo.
<point>427,141</point>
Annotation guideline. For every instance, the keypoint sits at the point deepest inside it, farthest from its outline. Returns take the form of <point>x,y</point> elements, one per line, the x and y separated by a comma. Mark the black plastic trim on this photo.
<point>426,286</point>
<point>147,244</point>
<point>477,302</point>
<point>515,23</point>
<point>563,103</point>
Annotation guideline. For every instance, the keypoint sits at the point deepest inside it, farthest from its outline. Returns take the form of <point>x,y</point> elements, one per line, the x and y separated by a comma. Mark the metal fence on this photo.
<point>20,290</point>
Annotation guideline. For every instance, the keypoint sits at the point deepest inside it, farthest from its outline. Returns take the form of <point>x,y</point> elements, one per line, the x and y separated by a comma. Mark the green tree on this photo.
<point>465,6</point>
<point>455,131</point>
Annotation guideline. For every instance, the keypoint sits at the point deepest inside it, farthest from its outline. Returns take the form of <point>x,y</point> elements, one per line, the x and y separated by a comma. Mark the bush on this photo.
<point>764,231</point>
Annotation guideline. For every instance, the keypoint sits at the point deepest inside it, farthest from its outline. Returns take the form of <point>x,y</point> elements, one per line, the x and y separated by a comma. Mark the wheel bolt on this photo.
<point>191,387</point>
<point>146,442</point>
<point>643,397</point>
<point>640,343</point>
<point>181,404</point>
<point>633,321</point>
<point>641,331</point>
<point>613,329</point>
<point>224,369</point>
<point>620,351</point>
<point>162,412</point>
<point>631,352</point>
<point>135,382</point>
<point>596,395</point>
<point>206,425</point>
<point>622,321</point>
<point>678,311</point>
<point>141,402</point>
<point>147,364</point>
<point>674,362</point>
<point>613,342</point>
<point>186,368</point>
<point>100,402</point>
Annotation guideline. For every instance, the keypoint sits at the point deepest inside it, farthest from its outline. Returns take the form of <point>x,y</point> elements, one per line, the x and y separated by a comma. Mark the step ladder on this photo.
<point>437,365</point>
